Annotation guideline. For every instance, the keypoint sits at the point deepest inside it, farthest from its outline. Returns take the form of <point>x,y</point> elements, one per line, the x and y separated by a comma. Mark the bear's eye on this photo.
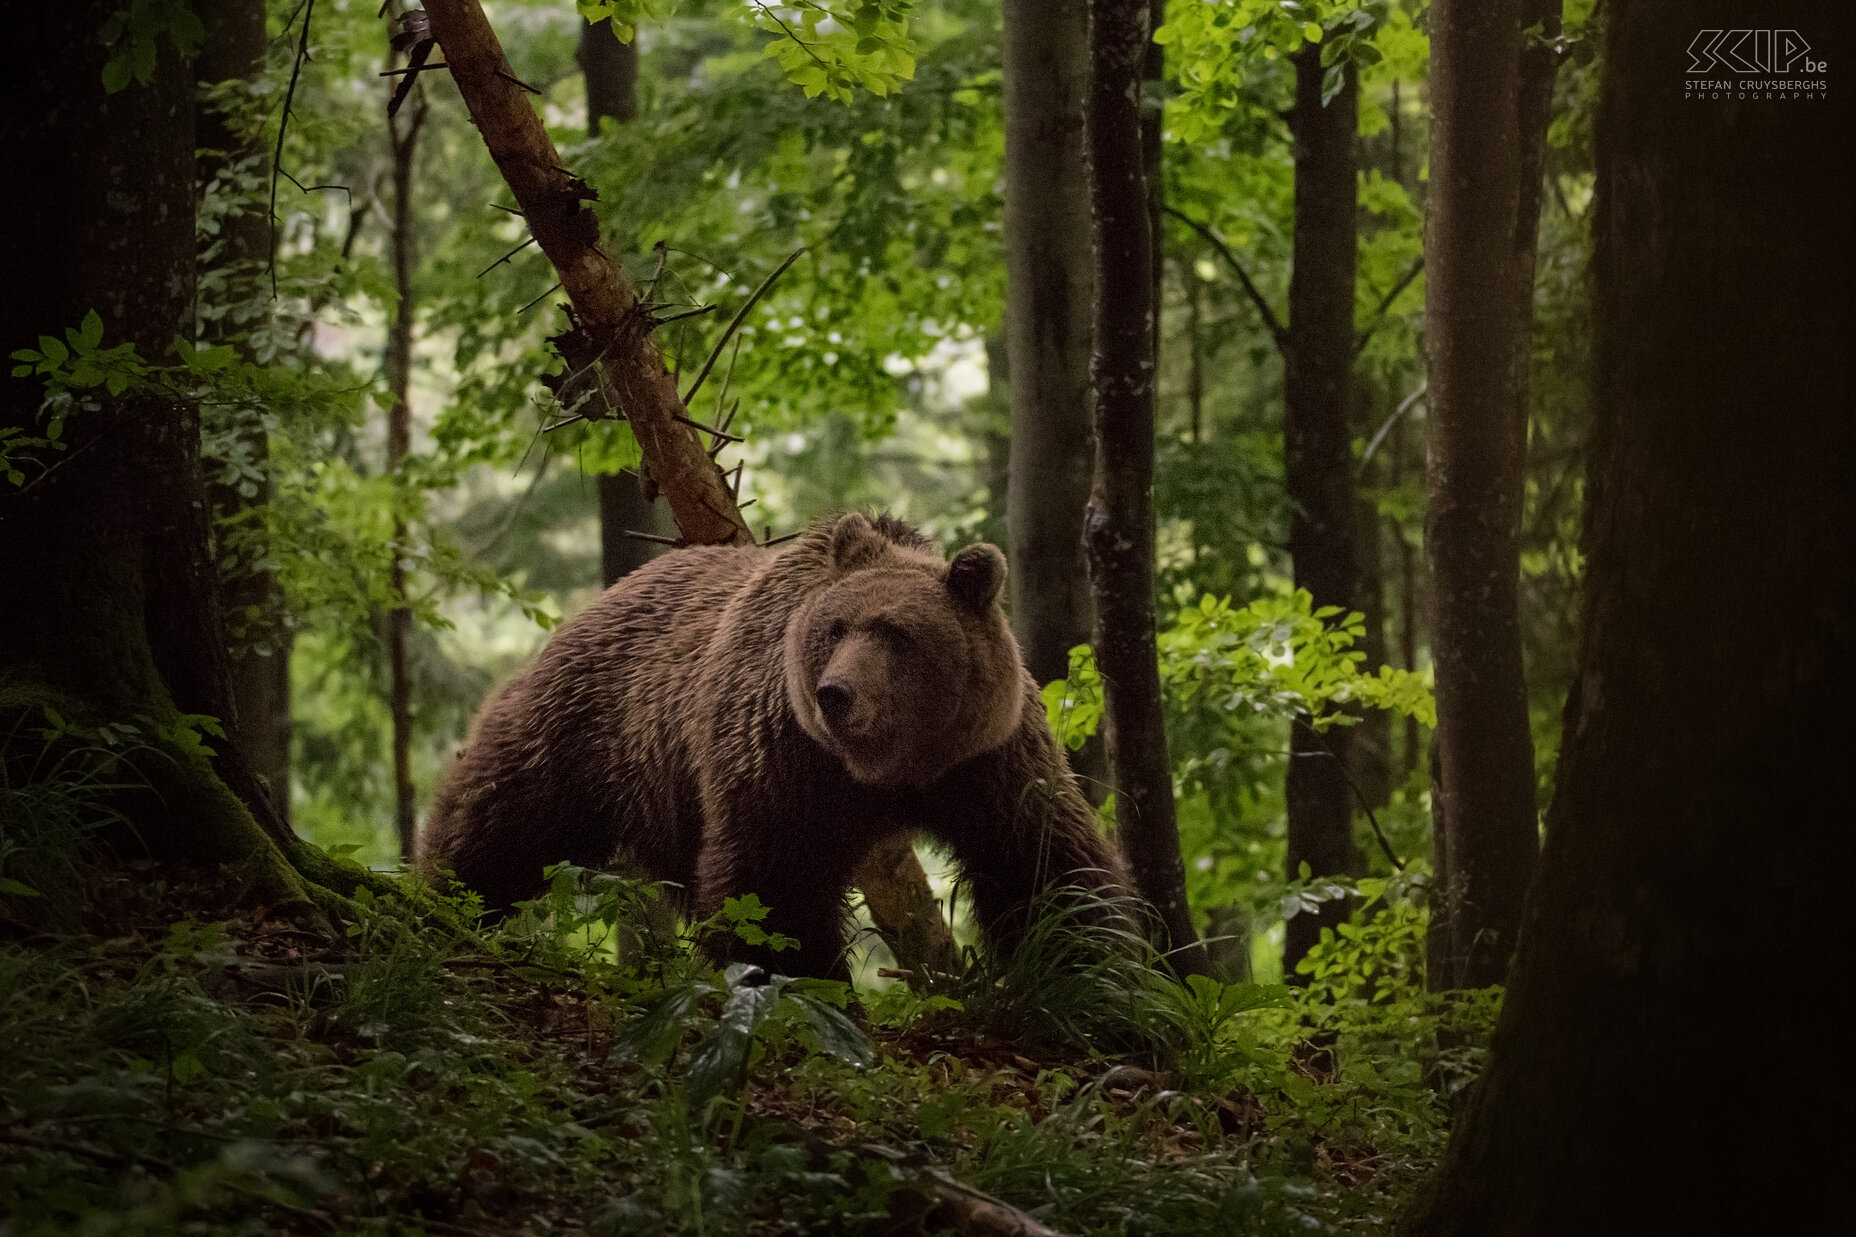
<point>837,630</point>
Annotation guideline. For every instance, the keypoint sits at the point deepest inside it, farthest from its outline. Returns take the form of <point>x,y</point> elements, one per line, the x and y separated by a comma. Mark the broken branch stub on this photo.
<point>613,363</point>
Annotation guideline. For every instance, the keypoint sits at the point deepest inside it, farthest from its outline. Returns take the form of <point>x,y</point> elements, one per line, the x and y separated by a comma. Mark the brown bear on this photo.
<point>743,720</point>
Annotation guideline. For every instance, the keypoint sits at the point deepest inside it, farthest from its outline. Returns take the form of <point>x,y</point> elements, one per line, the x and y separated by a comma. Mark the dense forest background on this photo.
<point>1415,359</point>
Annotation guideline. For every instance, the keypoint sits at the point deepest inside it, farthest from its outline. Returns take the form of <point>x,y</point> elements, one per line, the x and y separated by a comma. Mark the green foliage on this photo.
<point>836,51</point>
<point>1213,46</point>
<point>133,35</point>
<point>576,1061</point>
<point>1277,657</point>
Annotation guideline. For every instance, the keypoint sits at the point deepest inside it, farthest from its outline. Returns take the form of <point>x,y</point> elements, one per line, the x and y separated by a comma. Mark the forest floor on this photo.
<point>173,1069</point>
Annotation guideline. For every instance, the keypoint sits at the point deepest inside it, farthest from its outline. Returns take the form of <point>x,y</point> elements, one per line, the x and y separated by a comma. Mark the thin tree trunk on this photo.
<point>1153,167</point>
<point>1050,290</point>
<point>1318,461</point>
<point>1372,739</point>
<point>1489,110</point>
<point>110,609</point>
<point>1409,577</point>
<point>1120,525</point>
<point>1195,350</point>
<point>611,71</point>
<point>1698,840</point>
<point>234,50</point>
<point>403,133</point>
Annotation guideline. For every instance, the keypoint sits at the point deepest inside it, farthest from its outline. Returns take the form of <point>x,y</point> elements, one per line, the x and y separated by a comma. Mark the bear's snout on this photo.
<point>835,698</point>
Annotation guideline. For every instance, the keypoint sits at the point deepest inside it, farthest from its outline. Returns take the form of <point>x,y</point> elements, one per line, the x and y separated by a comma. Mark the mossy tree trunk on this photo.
<point>233,155</point>
<point>109,609</point>
<point>1665,1059</point>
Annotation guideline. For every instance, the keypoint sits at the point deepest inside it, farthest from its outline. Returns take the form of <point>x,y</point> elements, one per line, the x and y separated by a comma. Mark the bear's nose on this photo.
<point>834,700</point>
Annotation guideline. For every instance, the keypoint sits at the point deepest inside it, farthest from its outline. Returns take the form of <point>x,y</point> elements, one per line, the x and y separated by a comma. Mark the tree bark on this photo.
<point>110,611</point>
<point>1697,844</point>
<point>611,71</point>
<point>610,351</point>
<point>1318,461</point>
<point>1490,93</point>
<point>259,722</point>
<point>1050,290</point>
<point>1120,522</point>
<point>403,136</point>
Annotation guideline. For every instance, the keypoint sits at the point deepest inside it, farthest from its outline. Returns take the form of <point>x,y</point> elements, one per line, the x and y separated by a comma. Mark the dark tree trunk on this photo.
<point>1490,98</point>
<point>1691,882</point>
<point>110,609</point>
<point>259,721</point>
<point>611,71</point>
<point>1120,524</point>
<point>1318,460</point>
<point>1153,164</point>
<point>403,133</point>
<point>623,508</point>
<point>1050,289</point>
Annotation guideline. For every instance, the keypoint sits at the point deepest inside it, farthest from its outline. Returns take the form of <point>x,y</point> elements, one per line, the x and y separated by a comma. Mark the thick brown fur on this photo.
<point>739,720</point>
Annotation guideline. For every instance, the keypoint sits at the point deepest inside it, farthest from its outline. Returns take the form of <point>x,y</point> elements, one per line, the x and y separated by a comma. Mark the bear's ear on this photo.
<point>976,575</point>
<point>854,543</point>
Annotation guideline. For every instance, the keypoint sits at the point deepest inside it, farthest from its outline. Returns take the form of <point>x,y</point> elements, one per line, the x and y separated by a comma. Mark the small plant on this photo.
<point>739,1017</point>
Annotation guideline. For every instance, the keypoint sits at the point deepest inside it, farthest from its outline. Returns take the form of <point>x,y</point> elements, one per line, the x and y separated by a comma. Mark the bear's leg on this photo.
<point>497,833</point>
<point>803,886</point>
<point>1018,825</point>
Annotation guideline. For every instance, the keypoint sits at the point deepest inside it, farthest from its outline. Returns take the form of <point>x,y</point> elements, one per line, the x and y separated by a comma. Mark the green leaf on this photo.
<point>654,1036</point>
<point>1312,32</point>
<point>837,1035</point>
<point>17,889</point>
<point>720,1058</point>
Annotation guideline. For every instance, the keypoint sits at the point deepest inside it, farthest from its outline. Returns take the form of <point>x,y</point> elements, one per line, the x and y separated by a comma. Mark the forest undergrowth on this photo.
<point>175,1066</point>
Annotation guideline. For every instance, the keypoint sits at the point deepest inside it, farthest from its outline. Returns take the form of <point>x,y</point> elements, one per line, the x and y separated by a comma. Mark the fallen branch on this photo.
<point>970,1211</point>
<point>958,1205</point>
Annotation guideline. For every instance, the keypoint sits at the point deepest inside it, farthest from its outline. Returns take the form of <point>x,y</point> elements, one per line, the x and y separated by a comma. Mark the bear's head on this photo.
<point>899,664</point>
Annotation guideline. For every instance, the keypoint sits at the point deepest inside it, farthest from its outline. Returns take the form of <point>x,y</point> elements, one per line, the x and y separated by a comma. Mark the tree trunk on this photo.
<point>1409,577</point>
<point>1318,461</point>
<point>1489,97</point>
<point>1690,894</point>
<point>1120,523</point>
<point>403,134</point>
<point>1049,314</point>
<point>234,50</point>
<point>110,611</point>
<point>611,71</point>
<point>1371,740</point>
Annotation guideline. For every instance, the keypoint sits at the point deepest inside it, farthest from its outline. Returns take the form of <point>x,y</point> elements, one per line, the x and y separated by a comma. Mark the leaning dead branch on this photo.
<point>611,336</point>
